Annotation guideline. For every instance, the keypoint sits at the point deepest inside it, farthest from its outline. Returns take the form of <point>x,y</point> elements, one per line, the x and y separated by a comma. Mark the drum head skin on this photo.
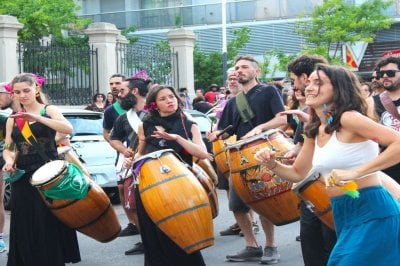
<point>48,172</point>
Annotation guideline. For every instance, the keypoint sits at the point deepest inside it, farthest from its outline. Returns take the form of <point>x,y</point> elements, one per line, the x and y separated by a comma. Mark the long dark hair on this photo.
<point>347,97</point>
<point>151,105</point>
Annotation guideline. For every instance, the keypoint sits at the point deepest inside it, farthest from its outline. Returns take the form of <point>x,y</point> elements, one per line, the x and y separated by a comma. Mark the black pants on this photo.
<point>317,239</point>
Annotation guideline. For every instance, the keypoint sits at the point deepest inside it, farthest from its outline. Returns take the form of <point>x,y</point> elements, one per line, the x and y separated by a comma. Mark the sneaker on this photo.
<point>270,256</point>
<point>256,229</point>
<point>232,230</point>
<point>129,230</point>
<point>247,254</point>
<point>2,246</point>
<point>136,250</point>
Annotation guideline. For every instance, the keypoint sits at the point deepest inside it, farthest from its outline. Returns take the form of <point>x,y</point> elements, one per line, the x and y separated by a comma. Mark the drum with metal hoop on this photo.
<point>313,191</point>
<point>92,215</point>
<point>175,200</point>
<point>221,155</point>
<point>266,193</point>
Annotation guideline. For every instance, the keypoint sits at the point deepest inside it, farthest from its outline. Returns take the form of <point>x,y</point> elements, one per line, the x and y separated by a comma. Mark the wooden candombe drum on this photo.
<point>175,200</point>
<point>208,186</point>
<point>312,191</point>
<point>93,215</point>
<point>221,155</point>
<point>266,193</point>
<point>207,167</point>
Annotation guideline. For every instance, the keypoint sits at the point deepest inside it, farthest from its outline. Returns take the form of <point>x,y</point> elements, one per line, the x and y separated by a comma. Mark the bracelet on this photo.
<point>8,146</point>
<point>274,166</point>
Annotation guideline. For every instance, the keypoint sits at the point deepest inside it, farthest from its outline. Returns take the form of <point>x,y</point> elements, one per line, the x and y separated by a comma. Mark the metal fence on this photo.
<point>157,62</point>
<point>68,71</point>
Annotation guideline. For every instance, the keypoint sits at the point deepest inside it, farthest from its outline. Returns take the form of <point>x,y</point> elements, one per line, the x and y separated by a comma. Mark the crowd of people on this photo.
<point>344,128</point>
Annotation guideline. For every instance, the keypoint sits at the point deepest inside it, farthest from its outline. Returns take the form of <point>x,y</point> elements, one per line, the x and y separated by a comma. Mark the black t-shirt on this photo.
<point>265,102</point>
<point>388,120</point>
<point>176,123</point>
<point>122,130</point>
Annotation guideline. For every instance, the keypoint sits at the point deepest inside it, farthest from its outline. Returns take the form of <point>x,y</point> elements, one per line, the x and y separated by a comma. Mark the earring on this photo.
<point>328,115</point>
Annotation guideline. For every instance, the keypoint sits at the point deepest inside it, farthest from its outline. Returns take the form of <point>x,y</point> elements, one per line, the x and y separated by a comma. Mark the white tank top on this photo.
<point>339,155</point>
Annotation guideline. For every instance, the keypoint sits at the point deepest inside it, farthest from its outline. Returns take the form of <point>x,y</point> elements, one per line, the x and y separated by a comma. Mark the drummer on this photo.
<point>166,127</point>
<point>36,235</point>
<point>235,87</point>
<point>345,144</point>
<point>264,104</point>
<point>317,239</point>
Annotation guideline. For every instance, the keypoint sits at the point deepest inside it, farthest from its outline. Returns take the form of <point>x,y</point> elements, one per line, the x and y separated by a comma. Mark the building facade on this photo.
<point>272,22</point>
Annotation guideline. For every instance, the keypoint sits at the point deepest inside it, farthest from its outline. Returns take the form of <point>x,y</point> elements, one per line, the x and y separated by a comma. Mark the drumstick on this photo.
<point>132,146</point>
<point>224,131</point>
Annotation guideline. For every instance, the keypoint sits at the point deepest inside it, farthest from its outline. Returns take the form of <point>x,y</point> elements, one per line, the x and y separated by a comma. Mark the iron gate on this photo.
<point>157,62</point>
<point>68,71</point>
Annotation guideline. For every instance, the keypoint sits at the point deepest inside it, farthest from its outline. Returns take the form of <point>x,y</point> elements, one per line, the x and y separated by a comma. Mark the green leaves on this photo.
<point>208,68</point>
<point>44,17</point>
<point>336,21</point>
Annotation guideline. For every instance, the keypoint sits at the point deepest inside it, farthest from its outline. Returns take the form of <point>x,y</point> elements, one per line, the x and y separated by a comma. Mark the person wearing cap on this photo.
<point>211,95</point>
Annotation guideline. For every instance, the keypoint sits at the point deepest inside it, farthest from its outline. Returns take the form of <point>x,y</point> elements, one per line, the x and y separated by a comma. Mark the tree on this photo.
<point>127,32</point>
<point>336,22</point>
<point>43,18</point>
<point>208,67</point>
<point>267,70</point>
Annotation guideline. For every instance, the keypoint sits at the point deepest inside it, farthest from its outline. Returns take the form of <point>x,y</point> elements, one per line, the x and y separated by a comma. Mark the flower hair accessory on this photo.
<point>141,74</point>
<point>39,80</point>
<point>151,107</point>
<point>8,87</point>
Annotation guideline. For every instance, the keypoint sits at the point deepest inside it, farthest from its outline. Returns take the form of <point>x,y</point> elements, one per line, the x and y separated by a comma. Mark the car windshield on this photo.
<point>203,123</point>
<point>86,124</point>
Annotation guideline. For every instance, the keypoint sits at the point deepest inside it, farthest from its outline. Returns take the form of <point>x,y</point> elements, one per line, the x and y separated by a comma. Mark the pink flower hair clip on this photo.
<point>8,87</point>
<point>39,80</point>
<point>141,74</point>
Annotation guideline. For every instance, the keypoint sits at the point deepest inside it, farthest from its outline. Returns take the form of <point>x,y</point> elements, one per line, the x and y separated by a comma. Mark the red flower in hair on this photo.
<point>151,107</point>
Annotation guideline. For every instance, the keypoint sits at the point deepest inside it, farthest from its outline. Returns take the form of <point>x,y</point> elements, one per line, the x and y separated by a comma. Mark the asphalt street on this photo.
<point>112,253</point>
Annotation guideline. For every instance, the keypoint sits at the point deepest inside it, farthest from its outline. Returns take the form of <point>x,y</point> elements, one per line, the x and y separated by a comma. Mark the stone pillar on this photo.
<point>9,27</point>
<point>182,43</point>
<point>103,37</point>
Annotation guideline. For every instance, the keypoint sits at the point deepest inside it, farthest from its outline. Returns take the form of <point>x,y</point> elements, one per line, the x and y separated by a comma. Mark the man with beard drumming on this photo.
<point>389,102</point>
<point>266,103</point>
<point>132,96</point>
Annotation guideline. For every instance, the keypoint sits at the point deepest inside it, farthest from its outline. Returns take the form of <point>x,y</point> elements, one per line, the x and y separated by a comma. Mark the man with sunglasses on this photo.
<point>389,102</point>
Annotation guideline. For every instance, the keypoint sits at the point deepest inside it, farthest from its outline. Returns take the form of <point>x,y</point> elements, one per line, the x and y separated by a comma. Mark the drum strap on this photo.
<point>389,105</point>
<point>244,108</point>
<point>26,132</point>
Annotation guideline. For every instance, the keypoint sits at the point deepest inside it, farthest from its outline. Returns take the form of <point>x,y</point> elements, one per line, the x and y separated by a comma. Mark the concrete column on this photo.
<point>9,27</point>
<point>103,37</point>
<point>182,43</point>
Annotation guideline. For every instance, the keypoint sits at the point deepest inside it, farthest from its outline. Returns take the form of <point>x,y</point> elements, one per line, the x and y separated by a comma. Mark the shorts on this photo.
<point>223,182</point>
<point>235,203</point>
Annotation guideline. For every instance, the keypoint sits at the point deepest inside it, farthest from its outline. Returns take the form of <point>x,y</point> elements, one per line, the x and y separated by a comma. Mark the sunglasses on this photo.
<point>389,73</point>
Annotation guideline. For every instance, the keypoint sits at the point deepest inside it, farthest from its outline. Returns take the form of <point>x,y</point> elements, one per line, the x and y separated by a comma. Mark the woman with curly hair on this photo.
<point>341,144</point>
